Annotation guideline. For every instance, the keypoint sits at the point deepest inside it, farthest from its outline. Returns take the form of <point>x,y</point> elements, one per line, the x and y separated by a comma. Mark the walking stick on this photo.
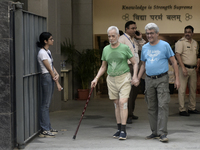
<point>88,99</point>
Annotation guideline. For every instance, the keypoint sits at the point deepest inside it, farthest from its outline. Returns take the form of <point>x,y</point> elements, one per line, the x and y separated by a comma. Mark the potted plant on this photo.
<point>84,65</point>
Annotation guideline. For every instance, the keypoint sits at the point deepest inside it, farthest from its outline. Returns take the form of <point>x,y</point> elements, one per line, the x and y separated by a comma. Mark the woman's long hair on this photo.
<point>43,36</point>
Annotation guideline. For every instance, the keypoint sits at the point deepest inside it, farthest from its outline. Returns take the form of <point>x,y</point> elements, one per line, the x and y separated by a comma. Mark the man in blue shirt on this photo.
<point>155,55</point>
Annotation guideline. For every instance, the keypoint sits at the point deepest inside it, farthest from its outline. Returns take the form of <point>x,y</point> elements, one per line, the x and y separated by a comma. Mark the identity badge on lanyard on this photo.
<point>136,54</point>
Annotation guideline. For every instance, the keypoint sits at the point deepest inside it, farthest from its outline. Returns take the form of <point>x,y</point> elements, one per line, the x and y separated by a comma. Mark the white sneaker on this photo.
<point>47,134</point>
<point>54,131</point>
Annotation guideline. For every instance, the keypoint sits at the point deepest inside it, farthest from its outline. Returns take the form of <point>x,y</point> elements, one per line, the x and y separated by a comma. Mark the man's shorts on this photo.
<point>119,86</point>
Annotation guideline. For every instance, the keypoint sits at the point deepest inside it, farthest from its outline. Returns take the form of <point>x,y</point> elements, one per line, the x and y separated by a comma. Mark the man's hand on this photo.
<point>138,37</point>
<point>94,82</point>
<point>185,73</point>
<point>177,84</point>
<point>135,81</point>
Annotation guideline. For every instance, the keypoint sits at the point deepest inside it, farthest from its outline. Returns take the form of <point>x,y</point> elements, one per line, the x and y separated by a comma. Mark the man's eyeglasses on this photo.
<point>150,33</point>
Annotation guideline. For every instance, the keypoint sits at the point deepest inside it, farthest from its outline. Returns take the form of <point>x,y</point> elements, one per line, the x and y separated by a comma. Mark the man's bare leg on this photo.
<point>118,118</point>
<point>123,110</point>
<point>121,113</point>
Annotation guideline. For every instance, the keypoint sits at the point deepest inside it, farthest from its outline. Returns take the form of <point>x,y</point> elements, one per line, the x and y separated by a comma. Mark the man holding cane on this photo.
<point>119,80</point>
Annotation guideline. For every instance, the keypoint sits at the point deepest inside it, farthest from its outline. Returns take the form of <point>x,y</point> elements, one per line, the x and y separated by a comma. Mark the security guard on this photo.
<point>186,53</point>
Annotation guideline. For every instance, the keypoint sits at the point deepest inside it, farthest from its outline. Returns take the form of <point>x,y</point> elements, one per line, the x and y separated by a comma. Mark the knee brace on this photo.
<point>125,105</point>
<point>115,105</point>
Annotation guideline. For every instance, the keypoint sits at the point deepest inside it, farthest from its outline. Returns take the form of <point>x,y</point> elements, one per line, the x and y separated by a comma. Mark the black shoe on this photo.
<point>163,138</point>
<point>184,113</point>
<point>194,111</point>
<point>134,117</point>
<point>116,135</point>
<point>129,120</point>
<point>122,135</point>
<point>152,136</point>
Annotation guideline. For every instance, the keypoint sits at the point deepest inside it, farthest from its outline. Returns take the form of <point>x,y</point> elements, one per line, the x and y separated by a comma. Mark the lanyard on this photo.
<point>48,54</point>
<point>50,57</point>
<point>131,42</point>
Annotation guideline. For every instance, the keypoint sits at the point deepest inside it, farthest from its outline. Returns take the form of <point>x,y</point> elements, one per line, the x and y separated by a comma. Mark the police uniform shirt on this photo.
<point>187,50</point>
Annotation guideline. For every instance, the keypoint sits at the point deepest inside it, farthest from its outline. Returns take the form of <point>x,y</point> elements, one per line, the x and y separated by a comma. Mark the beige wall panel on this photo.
<point>110,12</point>
<point>39,7</point>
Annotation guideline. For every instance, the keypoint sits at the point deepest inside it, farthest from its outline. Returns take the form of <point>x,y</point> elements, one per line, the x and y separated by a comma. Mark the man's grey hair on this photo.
<point>151,26</point>
<point>113,27</point>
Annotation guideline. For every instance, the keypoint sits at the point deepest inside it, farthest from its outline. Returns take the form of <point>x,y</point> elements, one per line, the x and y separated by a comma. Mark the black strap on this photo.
<point>188,66</point>
<point>50,57</point>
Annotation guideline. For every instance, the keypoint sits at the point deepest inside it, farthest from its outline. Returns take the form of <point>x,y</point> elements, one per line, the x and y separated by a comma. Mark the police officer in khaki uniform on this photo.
<point>186,53</point>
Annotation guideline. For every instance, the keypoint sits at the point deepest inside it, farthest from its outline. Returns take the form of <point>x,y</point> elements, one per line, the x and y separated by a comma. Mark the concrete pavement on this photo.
<point>98,126</point>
